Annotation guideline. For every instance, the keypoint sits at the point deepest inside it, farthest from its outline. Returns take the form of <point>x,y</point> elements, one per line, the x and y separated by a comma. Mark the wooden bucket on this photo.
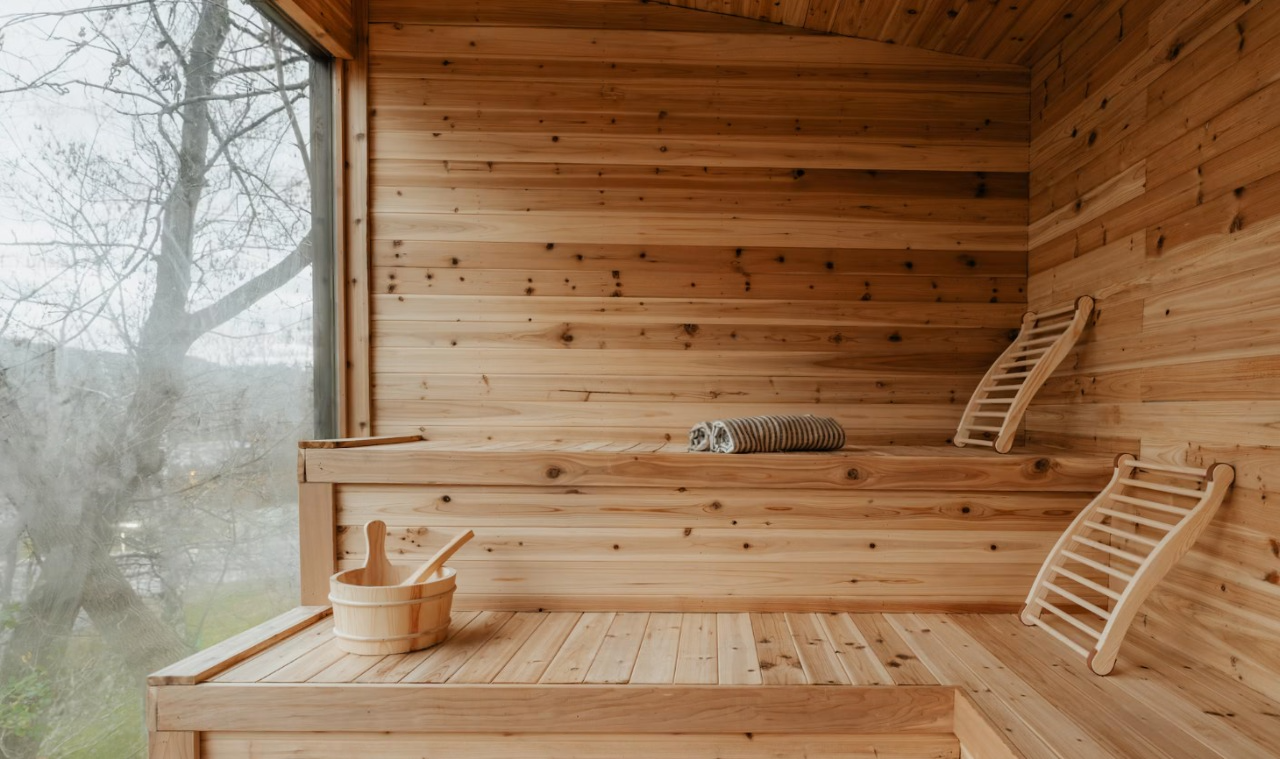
<point>373,615</point>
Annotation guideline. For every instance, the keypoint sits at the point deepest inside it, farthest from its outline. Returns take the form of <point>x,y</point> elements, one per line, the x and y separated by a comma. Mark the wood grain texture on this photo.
<point>1154,185</point>
<point>317,530</point>
<point>169,744</point>
<point>1007,32</point>
<point>901,528</point>
<point>570,746</point>
<point>356,291</point>
<point>982,684</point>
<point>537,170</point>
<point>331,24</point>
<point>694,709</point>
<point>230,652</point>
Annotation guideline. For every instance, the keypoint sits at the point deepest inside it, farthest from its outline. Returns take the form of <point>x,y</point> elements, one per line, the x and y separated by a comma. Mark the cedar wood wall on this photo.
<point>592,227</point>
<point>1152,186</point>
<point>1155,186</point>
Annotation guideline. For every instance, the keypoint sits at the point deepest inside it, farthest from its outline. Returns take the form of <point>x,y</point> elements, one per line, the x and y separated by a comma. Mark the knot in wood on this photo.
<point>852,474</point>
<point>1041,465</point>
<point>553,472</point>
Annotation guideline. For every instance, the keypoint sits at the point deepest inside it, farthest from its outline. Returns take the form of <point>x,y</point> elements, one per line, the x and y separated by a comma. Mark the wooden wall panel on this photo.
<point>902,528</point>
<point>613,222</point>
<point>1155,186</point>
<point>718,549</point>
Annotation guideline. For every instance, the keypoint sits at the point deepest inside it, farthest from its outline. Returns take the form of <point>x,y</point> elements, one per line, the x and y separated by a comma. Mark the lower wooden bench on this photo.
<point>637,684</point>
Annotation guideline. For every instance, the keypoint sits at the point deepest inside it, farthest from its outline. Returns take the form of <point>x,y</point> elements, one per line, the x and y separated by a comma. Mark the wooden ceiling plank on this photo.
<point>977,14</point>
<point>1069,17</point>
<point>929,17</point>
<point>997,27</point>
<point>936,37</point>
<point>821,14</point>
<point>1026,29</point>
<point>903,19</point>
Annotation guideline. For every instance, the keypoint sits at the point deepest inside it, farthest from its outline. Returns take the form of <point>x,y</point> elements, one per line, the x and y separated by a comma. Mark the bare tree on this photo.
<point>163,231</point>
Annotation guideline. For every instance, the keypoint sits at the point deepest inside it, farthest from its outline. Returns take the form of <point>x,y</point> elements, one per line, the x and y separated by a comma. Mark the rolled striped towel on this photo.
<point>700,437</point>
<point>756,434</point>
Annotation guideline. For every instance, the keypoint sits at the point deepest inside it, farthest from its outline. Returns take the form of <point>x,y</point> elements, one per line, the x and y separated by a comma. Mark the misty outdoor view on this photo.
<point>156,184</point>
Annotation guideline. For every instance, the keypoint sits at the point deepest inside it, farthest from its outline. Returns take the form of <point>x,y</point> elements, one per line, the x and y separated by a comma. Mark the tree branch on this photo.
<point>251,292</point>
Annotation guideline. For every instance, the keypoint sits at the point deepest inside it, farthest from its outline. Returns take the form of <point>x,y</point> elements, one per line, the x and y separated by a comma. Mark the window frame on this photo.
<point>324,205</point>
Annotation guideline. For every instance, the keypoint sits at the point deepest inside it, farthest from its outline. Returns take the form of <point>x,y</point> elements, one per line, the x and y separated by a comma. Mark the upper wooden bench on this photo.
<point>610,528</point>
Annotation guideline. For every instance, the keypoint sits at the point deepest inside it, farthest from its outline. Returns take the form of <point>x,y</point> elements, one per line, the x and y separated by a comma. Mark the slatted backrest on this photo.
<point>1118,549</point>
<point>994,412</point>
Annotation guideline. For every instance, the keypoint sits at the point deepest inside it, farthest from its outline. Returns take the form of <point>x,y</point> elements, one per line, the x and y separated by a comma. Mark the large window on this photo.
<point>159,231</point>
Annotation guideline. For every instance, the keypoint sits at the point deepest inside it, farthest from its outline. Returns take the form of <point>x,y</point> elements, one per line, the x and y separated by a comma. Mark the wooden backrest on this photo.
<point>1001,399</point>
<point>1118,549</point>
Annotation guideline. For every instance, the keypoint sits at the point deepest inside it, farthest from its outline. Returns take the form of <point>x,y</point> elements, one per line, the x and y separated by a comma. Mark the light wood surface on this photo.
<point>977,735</point>
<point>1154,176</point>
<point>562,746</point>
<point>230,652</point>
<point>317,536</point>
<point>900,528</point>
<point>171,744</point>
<point>994,414</point>
<point>535,166</point>
<point>641,648</point>
<point>355,315</point>
<point>1001,689</point>
<point>598,709</point>
<point>1140,540</point>
<point>940,468</point>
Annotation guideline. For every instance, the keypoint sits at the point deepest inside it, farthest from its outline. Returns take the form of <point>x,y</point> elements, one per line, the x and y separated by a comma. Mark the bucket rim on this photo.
<point>449,573</point>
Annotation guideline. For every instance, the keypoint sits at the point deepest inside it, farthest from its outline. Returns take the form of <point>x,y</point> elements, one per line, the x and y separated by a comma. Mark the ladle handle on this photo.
<point>437,561</point>
<point>377,569</point>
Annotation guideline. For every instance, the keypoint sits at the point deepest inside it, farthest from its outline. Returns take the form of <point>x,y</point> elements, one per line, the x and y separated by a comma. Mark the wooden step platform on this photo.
<point>608,528</point>
<point>634,684</point>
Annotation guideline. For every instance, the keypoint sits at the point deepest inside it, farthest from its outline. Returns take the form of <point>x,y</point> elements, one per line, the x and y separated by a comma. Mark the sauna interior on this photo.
<point>571,229</point>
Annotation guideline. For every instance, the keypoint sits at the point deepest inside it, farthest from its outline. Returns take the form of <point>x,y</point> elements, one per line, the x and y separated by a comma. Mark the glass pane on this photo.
<point>156,359</point>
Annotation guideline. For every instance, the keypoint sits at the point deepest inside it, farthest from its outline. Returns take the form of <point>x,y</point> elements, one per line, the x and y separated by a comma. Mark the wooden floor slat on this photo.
<point>392,669</point>
<point>898,658</point>
<point>856,655</point>
<point>579,650</point>
<point>696,658</point>
<point>490,659</point>
<point>739,664</point>
<point>776,650</point>
<point>300,644</point>
<point>1016,708</point>
<point>656,662</point>
<point>1154,728</point>
<point>817,655</point>
<point>531,661</point>
<point>617,655</point>
<point>447,659</point>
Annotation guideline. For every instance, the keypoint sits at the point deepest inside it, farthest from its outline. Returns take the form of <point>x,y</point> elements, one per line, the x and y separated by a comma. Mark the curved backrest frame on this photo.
<point>1001,399</point>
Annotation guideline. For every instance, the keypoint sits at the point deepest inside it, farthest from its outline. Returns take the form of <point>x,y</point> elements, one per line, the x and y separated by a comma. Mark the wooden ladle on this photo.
<point>377,569</point>
<point>437,561</point>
